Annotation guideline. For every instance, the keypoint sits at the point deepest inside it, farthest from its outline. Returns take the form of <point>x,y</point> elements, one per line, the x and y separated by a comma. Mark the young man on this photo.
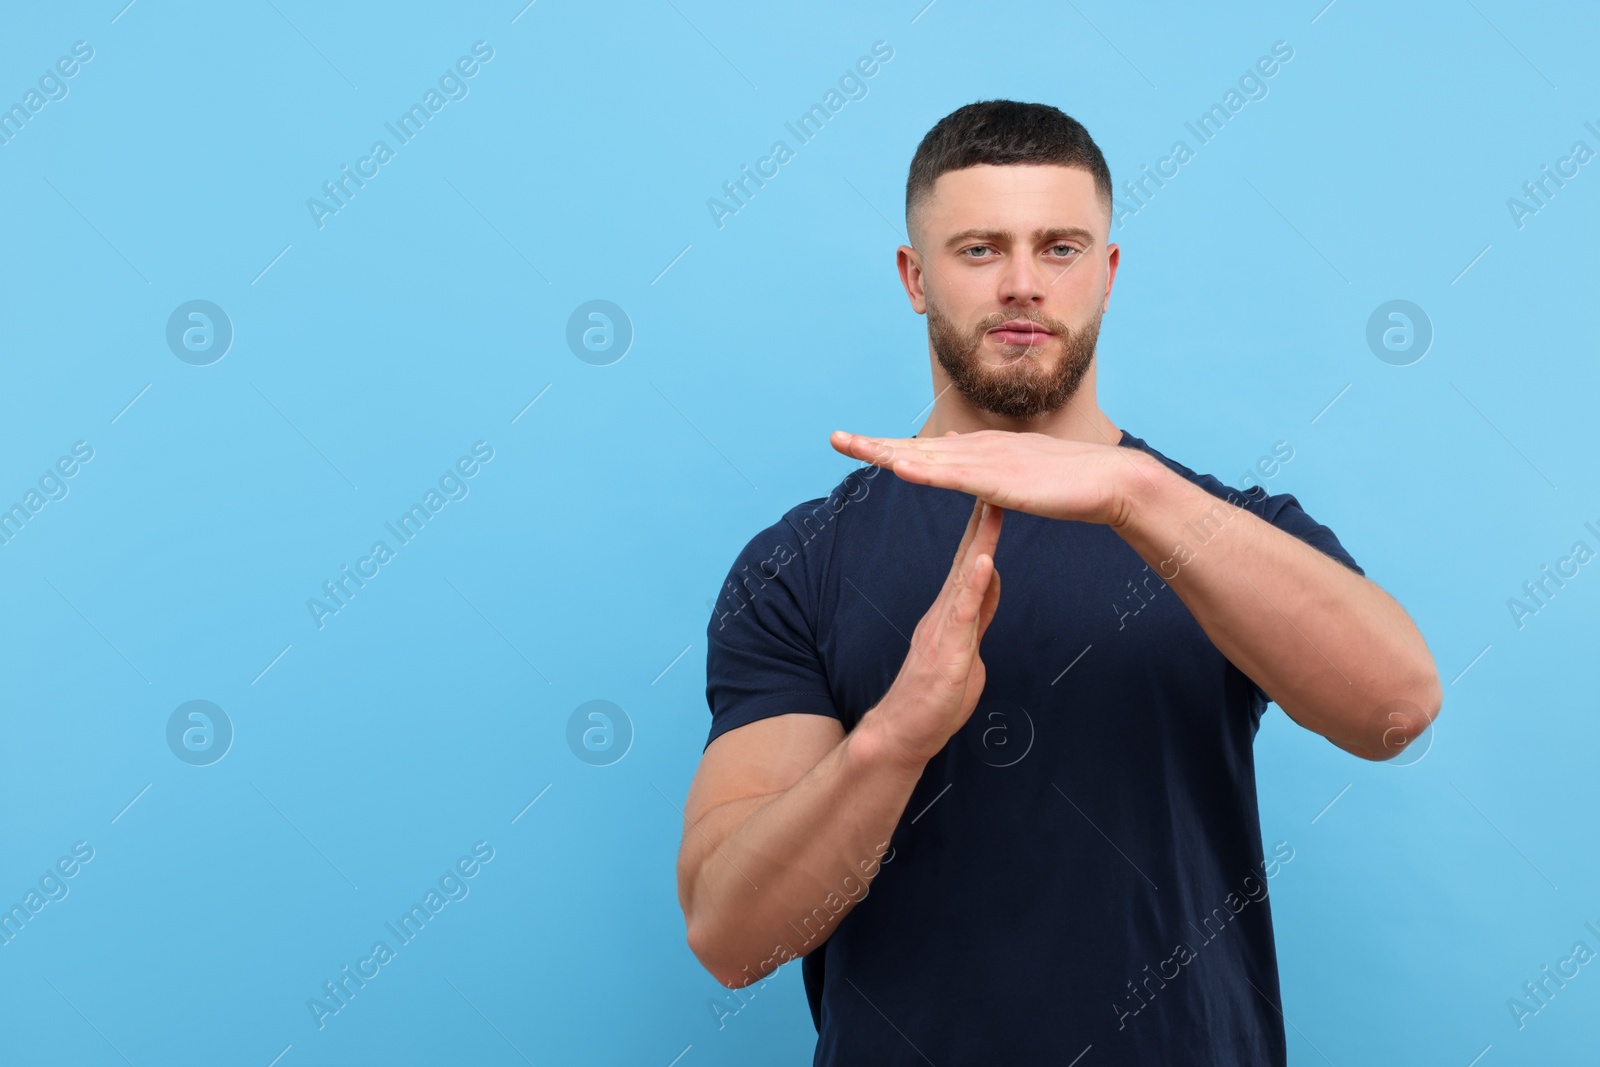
<point>1060,837</point>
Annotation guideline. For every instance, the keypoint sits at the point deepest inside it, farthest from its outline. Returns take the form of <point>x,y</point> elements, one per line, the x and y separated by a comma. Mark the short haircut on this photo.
<point>1002,132</point>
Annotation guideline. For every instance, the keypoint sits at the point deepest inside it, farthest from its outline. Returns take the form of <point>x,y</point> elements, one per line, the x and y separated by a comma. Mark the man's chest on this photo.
<point>1083,625</point>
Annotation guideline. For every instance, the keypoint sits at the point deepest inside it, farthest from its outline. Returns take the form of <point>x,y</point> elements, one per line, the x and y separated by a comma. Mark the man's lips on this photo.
<point>1020,332</point>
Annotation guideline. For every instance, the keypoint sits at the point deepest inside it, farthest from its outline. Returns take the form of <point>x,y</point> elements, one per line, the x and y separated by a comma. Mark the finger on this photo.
<point>946,463</point>
<point>964,612</point>
<point>953,461</point>
<point>990,604</point>
<point>880,451</point>
<point>962,562</point>
<point>886,451</point>
<point>988,534</point>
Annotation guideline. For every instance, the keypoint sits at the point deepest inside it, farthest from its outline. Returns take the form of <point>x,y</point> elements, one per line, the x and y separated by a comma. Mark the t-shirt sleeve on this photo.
<point>1285,512</point>
<point>761,648</point>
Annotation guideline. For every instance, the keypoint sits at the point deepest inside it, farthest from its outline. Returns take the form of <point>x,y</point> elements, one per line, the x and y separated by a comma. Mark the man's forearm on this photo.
<point>775,875</point>
<point>1335,651</point>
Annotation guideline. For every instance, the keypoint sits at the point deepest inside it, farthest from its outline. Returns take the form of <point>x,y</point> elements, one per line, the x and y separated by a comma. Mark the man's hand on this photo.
<point>1030,472</point>
<point>942,677</point>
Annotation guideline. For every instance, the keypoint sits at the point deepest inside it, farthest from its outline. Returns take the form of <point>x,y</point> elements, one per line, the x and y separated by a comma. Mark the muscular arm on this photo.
<point>1339,655</point>
<point>764,879</point>
<point>789,819</point>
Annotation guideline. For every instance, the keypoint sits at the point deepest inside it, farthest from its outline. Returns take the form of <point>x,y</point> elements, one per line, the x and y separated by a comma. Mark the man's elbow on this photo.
<point>714,959</point>
<point>702,938</point>
<point>1399,725</point>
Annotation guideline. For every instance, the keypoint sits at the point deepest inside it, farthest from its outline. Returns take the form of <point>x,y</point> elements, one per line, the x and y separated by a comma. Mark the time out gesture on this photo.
<point>1338,654</point>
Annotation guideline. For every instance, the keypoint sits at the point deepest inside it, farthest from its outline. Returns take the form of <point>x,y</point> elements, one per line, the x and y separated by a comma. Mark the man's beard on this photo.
<point>1013,386</point>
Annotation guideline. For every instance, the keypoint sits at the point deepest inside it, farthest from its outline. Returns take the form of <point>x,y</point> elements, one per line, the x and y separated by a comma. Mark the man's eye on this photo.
<point>975,248</point>
<point>1058,248</point>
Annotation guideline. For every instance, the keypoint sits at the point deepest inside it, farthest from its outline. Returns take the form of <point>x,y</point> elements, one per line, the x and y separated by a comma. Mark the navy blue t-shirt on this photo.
<point>1081,866</point>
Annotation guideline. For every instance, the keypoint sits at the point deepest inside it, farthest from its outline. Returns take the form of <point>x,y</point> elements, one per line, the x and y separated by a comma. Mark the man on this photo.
<point>1060,837</point>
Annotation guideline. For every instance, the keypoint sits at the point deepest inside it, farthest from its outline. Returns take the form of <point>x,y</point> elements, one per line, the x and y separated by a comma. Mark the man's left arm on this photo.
<point>1338,654</point>
<point>1335,652</point>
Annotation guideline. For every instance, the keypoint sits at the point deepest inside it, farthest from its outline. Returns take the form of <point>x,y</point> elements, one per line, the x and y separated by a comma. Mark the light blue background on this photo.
<point>430,311</point>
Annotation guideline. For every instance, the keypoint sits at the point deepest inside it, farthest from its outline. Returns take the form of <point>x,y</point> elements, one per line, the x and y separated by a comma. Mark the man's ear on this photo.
<point>1113,255</point>
<point>909,262</point>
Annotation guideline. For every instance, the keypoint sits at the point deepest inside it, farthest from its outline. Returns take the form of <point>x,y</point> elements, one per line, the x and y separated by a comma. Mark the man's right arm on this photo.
<point>801,822</point>
<point>788,818</point>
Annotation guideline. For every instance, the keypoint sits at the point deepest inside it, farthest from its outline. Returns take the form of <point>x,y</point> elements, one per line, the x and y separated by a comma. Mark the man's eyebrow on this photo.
<point>1053,233</point>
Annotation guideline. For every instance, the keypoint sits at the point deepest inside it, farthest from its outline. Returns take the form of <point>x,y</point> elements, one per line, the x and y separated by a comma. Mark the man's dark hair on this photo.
<point>1002,132</point>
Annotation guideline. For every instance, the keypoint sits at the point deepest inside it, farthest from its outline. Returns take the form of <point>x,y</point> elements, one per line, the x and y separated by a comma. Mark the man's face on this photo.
<point>1018,245</point>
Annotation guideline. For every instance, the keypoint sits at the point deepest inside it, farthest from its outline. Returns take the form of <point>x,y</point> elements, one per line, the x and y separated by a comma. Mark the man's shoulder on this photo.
<point>1254,498</point>
<point>809,521</point>
<point>1282,509</point>
<point>778,570</point>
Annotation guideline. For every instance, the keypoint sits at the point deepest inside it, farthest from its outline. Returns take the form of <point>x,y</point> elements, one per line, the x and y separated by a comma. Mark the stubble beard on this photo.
<point>1014,386</point>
